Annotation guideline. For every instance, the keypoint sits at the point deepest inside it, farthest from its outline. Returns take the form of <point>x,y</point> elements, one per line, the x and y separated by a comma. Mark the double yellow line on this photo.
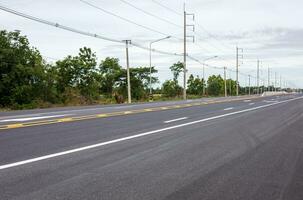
<point>105,115</point>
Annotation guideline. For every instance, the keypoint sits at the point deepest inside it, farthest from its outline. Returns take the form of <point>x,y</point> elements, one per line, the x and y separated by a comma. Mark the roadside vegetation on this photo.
<point>27,81</point>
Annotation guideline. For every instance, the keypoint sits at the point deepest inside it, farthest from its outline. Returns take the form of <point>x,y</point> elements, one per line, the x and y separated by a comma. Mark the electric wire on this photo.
<point>57,25</point>
<point>124,19</point>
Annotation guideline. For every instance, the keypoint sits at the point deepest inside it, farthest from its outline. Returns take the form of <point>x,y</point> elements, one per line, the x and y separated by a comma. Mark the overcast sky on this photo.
<point>269,30</point>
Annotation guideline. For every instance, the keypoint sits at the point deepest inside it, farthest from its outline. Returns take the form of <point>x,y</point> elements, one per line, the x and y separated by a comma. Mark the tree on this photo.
<point>114,79</point>
<point>21,70</point>
<point>170,88</point>
<point>176,69</point>
<point>79,74</point>
<point>231,86</point>
<point>215,85</point>
<point>195,85</point>
<point>139,79</point>
<point>111,73</point>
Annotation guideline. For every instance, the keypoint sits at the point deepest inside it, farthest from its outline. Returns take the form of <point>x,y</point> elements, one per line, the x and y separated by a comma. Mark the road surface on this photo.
<point>224,148</point>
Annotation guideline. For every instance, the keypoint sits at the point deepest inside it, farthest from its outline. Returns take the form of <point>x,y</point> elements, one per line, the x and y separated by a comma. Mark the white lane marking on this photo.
<point>228,108</point>
<point>65,112</point>
<point>266,101</point>
<point>247,101</point>
<point>30,118</point>
<point>251,104</point>
<point>174,120</point>
<point>135,136</point>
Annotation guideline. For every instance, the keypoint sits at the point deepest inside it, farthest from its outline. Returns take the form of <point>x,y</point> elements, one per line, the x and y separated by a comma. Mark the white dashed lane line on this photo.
<point>229,108</point>
<point>175,120</point>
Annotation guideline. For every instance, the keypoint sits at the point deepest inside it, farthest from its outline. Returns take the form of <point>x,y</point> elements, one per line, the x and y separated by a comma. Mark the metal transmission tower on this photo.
<point>129,97</point>
<point>237,67</point>
<point>185,53</point>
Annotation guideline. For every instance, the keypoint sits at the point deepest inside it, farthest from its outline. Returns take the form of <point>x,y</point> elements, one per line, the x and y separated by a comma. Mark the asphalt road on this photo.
<point>28,116</point>
<point>243,149</point>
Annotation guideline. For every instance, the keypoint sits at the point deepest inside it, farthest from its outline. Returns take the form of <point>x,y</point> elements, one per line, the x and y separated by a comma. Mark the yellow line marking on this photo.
<point>102,115</point>
<point>65,120</point>
<point>14,126</point>
<point>80,118</point>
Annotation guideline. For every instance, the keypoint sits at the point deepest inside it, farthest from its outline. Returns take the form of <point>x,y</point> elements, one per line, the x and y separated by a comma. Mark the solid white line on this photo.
<point>228,108</point>
<point>30,118</point>
<point>174,120</point>
<point>135,136</point>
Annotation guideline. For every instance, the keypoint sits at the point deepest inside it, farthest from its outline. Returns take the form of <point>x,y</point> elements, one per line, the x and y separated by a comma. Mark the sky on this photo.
<point>266,30</point>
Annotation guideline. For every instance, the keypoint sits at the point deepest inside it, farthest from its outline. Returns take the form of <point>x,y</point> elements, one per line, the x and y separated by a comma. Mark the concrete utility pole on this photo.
<point>237,72</point>
<point>185,53</point>
<point>129,97</point>
<point>204,79</point>
<point>248,84</point>
<point>225,87</point>
<point>258,77</point>
<point>184,57</point>
<point>268,80</point>
<point>280,83</point>
<point>230,81</point>
<point>275,81</point>
<point>237,68</point>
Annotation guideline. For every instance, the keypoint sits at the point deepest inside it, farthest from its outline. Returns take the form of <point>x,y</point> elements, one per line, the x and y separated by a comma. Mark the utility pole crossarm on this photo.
<point>184,47</point>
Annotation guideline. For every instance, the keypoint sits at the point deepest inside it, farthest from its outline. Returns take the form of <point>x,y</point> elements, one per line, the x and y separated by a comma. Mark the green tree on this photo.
<point>231,86</point>
<point>21,70</point>
<point>78,75</point>
<point>170,88</point>
<point>215,85</point>
<point>139,79</point>
<point>195,85</point>
<point>111,73</point>
<point>176,69</point>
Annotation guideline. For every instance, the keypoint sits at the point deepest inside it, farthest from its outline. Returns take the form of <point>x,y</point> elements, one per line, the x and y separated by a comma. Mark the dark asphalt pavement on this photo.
<point>218,151</point>
<point>79,111</point>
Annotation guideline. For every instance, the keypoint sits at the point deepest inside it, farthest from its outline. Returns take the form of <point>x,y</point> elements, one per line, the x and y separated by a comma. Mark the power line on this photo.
<point>124,19</point>
<point>200,36</point>
<point>167,8</point>
<point>199,26</point>
<point>57,25</point>
<point>102,37</point>
<point>150,14</point>
<point>213,36</point>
